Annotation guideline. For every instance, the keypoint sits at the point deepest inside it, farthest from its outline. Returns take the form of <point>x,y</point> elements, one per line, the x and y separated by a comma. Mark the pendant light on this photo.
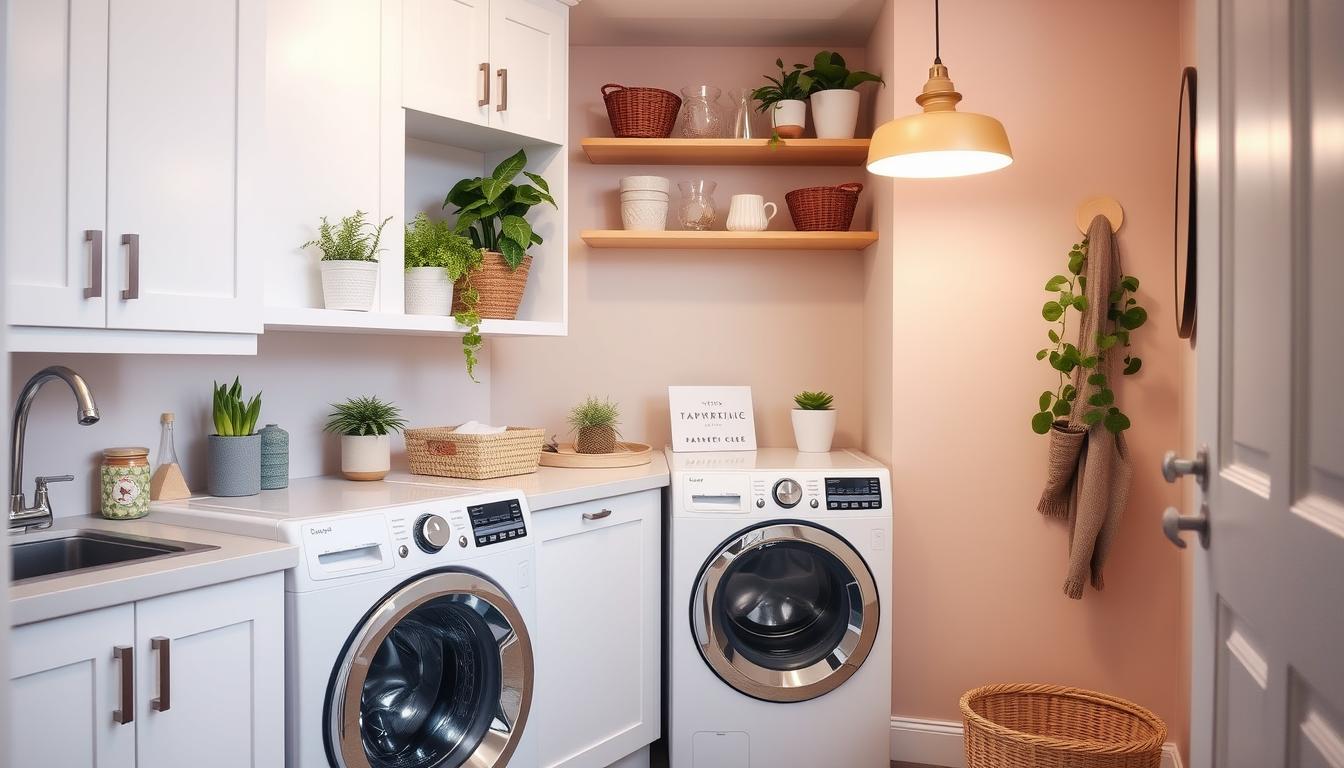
<point>940,141</point>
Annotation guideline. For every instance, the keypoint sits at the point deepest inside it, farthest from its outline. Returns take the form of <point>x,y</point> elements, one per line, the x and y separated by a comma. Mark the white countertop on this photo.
<point>233,557</point>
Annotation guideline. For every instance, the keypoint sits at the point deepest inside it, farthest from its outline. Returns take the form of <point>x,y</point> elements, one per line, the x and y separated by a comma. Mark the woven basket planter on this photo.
<point>499,288</point>
<point>442,452</point>
<point>1055,726</point>
<point>823,209</point>
<point>640,113</point>
<point>595,440</point>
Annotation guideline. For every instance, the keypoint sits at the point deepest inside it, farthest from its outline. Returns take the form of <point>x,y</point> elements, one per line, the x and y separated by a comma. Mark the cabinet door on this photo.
<point>216,655</point>
<point>186,88</point>
<point>55,165</point>
<point>445,60</point>
<point>598,605</point>
<point>529,53</point>
<point>66,683</point>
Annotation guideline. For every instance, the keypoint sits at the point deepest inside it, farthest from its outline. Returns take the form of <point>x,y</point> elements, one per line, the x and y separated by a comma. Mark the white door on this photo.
<point>185,90</point>
<point>55,107</point>
<point>210,689</point>
<point>71,680</point>
<point>529,53</point>
<point>446,60</point>
<point>1268,686</point>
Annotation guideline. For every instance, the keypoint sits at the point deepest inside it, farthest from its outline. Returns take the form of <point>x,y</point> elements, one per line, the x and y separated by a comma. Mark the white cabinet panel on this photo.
<point>55,92</point>
<point>65,684</point>
<point>529,50</point>
<point>446,60</point>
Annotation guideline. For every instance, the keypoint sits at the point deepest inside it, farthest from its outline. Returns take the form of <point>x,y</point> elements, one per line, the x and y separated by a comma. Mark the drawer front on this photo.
<point>601,513</point>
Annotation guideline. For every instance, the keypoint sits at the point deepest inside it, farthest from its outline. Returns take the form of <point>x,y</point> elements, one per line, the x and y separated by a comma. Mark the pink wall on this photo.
<point>1087,91</point>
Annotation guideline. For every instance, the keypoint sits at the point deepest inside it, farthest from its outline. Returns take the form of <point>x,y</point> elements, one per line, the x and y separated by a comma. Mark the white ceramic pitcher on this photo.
<point>747,213</point>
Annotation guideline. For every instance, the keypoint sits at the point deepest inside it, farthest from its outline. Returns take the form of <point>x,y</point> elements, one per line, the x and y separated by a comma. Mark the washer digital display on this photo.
<point>497,521</point>
<point>853,493</point>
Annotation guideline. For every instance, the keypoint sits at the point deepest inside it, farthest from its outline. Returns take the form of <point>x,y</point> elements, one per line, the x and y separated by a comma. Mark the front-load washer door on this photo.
<point>438,675</point>
<point>785,611</point>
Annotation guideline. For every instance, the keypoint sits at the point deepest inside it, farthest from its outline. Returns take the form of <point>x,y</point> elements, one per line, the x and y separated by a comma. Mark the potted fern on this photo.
<point>349,261</point>
<point>436,259</point>
<point>491,212</point>
<point>366,426</point>
<point>813,422</point>
<point>233,465</point>
<point>835,102</point>
<point>785,99</point>
<point>595,423</point>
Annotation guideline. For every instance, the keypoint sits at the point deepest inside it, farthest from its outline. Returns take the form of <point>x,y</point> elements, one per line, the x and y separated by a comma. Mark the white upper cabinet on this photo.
<point>445,66</point>
<point>529,52</point>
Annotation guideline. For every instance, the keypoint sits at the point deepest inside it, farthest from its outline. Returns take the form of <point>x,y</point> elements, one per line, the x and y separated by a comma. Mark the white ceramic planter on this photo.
<point>428,291</point>
<point>813,430</point>
<point>835,113</point>
<point>789,118</point>
<point>366,457</point>
<point>349,284</point>
<point>644,201</point>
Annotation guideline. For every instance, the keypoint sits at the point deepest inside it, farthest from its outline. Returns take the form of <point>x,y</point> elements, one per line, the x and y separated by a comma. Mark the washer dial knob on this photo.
<point>432,533</point>
<point>788,493</point>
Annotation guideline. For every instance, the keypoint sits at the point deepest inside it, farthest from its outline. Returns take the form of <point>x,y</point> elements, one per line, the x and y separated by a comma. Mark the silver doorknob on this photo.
<point>1173,522</point>
<point>1174,467</point>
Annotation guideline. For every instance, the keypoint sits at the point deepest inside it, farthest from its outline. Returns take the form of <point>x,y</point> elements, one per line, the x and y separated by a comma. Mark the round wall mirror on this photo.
<point>1184,229</point>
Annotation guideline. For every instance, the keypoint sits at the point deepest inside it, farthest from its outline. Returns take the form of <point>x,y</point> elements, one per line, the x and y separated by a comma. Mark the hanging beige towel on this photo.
<point>1089,472</point>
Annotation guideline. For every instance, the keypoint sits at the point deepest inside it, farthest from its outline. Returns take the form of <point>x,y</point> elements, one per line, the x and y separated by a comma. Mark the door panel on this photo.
<point>529,41</point>
<point>55,159</point>
<point>445,43</point>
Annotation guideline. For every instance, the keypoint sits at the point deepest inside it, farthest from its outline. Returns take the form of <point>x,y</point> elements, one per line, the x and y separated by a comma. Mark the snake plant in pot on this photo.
<point>813,422</point>
<point>234,460</point>
<point>491,211</point>
<point>349,261</point>
<point>366,426</point>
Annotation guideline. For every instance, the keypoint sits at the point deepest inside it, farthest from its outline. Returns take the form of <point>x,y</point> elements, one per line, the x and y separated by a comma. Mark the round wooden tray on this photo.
<point>625,455</point>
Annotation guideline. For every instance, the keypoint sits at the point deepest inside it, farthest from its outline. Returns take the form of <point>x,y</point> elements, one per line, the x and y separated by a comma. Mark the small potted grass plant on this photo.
<point>234,461</point>
<point>594,422</point>
<point>785,99</point>
<point>813,422</point>
<point>365,425</point>
<point>349,261</point>
<point>835,102</point>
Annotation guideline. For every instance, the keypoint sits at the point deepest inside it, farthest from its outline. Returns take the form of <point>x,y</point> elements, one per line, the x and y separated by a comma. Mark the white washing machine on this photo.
<point>779,631</point>
<point>407,621</point>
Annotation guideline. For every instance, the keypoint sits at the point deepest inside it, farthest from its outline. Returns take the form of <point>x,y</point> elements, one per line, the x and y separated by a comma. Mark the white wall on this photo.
<point>299,375</point>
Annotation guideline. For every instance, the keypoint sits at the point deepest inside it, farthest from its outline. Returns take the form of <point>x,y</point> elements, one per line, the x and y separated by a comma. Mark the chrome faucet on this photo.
<point>39,515</point>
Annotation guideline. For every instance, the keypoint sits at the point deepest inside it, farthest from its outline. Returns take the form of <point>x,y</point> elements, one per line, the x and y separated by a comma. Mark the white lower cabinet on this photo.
<point>599,608</point>
<point>193,678</point>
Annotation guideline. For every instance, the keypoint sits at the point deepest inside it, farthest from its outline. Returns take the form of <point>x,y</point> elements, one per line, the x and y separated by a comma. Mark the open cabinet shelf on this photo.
<point>783,240</point>
<point>341,321</point>
<point>828,152</point>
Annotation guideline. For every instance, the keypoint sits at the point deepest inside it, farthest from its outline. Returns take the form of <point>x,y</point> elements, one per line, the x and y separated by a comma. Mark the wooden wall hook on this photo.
<point>1107,206</point>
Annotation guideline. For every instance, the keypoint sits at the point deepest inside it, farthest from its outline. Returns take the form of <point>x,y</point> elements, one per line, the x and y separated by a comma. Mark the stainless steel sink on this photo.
<point>87,550</point>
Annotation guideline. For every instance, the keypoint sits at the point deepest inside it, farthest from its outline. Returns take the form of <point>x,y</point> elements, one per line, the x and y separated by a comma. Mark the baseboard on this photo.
<point>939,742</point>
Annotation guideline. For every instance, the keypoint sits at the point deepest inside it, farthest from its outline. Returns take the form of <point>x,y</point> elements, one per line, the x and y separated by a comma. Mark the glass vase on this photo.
<point>701,117</point>
<point>697,205</point>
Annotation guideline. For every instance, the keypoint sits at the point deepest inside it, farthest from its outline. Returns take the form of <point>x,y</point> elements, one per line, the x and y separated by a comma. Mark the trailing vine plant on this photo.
<point>1123,315</point>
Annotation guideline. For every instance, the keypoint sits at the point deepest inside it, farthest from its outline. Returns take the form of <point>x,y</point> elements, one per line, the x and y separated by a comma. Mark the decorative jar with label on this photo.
<point>125,480</point>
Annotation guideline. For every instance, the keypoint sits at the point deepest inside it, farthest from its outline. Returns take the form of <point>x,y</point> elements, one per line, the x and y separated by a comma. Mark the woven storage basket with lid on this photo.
<point>1054,726</point>
<point>640,113</point>
<point>443,452</point>
<point>823,209</point>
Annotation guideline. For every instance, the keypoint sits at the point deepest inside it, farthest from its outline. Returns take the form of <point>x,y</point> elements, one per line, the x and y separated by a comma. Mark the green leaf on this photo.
<point>459,194</point>
<point>1097,379</point>
<point>493,188</point>
<point>1132,365</point>
<point>1115,295</point>
<point>1133,317</point>
<point>517,229</point>
<point>1076,264</point>
<point>1057,282</point>
<point>1045,398</point>
<point>510,167</point>
<point>1106,341</point>
<point>1069,392</point>
<point>1040,423</point>
<point>538,180</point>
<point>465,221</point>
<point>1054,336</point>
<point>1080,303</point>
<point>1062,408</point>
<point>1102,398</point>
<point>1116,421</point>
<point>860,77</point>
<point>1082,282</point>
<point>512,252</point>
<point>1065,298</point>
<point>1041,354</point>
<point>1129,283</point>
<point>1088,362</point>
<point>1052,311</point>
<point>1092,417</point>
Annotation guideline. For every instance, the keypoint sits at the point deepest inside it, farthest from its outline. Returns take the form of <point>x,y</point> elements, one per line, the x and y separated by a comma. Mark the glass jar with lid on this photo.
<point>125,483</point>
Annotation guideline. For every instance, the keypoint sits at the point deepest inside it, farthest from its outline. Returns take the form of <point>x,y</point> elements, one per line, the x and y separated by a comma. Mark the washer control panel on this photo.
<point>497,521</point>
<point>788,493</point>
<point>853,493</point>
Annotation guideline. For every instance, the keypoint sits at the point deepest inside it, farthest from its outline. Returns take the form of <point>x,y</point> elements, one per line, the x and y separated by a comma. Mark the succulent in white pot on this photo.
<point>813,422</point>
<point>349,261</point>
<point>835,102</point>
<point>366,426</point>
<point>784,99</point>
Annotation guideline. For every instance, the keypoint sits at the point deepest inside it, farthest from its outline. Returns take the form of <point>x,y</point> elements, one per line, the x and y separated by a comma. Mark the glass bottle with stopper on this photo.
<point>168,482</point>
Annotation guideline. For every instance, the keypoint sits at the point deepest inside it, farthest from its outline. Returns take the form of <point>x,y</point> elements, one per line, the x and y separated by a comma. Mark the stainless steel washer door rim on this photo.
<point>511,639</point>
<point>840,660</point>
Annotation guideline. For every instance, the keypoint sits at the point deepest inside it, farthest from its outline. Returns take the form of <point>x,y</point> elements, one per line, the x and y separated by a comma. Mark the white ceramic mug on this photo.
<point>747,213</point>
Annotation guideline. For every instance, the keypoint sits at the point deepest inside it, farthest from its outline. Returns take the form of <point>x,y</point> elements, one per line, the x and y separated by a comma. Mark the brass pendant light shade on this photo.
<point>939,142</point>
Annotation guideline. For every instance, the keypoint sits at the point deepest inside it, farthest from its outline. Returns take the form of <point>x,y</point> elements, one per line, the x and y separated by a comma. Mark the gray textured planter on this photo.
<point>234,466</point>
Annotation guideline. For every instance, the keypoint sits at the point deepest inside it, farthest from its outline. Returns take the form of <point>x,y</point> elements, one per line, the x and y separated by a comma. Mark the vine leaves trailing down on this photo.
<point>1123,315</point>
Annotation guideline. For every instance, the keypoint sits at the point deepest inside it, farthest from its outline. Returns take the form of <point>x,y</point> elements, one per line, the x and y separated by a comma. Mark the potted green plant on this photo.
<point>436,259</point>
<point>491,212</point>
<point>233,466</point>
<point>365,425</point>
<point>785,99</point>
<point>835,102</point>
<point>349,261</point>
<point>594,422</point>
<point>813,421</point>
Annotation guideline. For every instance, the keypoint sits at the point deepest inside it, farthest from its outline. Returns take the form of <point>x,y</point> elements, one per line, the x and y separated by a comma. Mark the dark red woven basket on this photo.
<point>640,113</point>
<point>823,209</point>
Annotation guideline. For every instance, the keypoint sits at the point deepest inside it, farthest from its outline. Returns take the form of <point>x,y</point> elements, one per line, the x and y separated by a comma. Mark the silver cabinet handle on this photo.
<point>1173,522</point>
<point>132,290</point>
<point>95,238</point>
<point>485,81</point>
<point>163,646</point>
<point>503,90</point>
<point>597,515</point>
<point>125,656</point>
<point>1174,467</point>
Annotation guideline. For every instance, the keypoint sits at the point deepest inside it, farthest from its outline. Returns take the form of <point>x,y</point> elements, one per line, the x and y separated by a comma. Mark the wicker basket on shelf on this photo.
<point>443,452</point>
<point>823,209</point>
<point>499,290</point>
<point>640,113</point>
<point>1055,726</point>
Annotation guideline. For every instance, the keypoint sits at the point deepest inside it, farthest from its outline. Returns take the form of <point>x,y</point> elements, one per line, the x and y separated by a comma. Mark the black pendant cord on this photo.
<point>937,38</point>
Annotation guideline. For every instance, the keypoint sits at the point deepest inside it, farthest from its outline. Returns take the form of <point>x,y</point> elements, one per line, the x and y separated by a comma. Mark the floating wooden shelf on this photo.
<point>834,152</point>
<point>340,321</point>
<point>757,241</point>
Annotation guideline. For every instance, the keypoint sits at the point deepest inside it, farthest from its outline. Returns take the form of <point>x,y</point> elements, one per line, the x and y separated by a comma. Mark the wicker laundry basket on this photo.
<point>640,113</point>
<point>823,209</point>
<point>1054,726</point>
<point>442,452</point>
